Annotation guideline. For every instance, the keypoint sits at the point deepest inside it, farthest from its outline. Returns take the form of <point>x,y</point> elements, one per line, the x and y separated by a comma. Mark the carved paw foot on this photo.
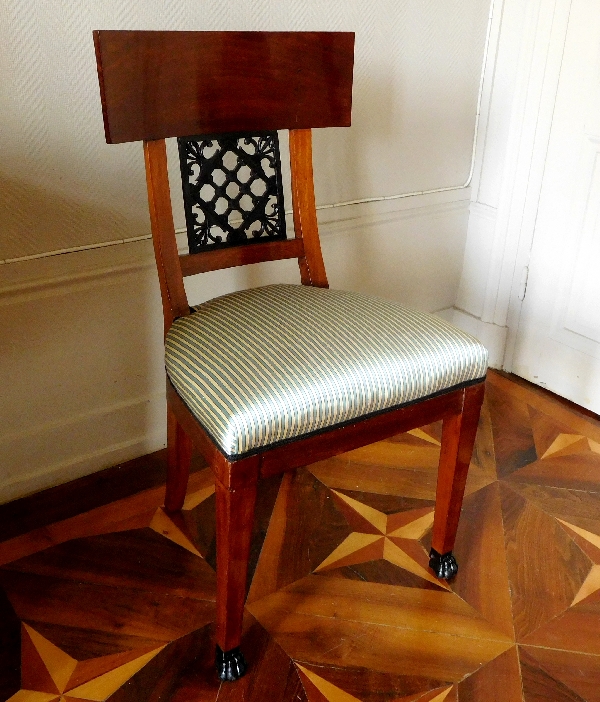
<point>443,565</point>
<point>230,665</point>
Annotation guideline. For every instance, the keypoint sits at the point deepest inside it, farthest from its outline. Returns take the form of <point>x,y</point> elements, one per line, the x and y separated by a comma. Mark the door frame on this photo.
<point>548,81</point>
<point>541,48</point>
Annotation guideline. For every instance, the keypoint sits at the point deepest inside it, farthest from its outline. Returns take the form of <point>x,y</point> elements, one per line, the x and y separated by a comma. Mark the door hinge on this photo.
<point>523,285</point>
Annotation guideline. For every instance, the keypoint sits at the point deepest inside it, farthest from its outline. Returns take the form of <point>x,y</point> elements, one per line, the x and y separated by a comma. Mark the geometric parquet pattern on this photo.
<point>118,603</point>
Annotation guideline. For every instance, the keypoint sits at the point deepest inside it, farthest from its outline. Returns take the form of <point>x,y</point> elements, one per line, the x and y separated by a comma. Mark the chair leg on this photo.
<point>235,517</point>
<point>458,438</point>
<point>179,457</point>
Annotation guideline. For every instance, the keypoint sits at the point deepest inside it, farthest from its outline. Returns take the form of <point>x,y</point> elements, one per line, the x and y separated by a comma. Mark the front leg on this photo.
<point>458,438</point>
<point>235,517</point>
<point>179,458</point>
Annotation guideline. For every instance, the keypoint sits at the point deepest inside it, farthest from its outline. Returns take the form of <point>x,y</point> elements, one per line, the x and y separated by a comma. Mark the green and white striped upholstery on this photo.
<point>265,365</point>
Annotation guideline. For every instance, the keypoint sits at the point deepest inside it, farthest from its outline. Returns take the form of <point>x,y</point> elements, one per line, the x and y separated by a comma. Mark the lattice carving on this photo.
<point>232,189</point>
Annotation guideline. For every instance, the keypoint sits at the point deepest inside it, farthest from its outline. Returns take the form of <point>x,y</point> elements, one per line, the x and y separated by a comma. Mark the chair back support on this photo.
<point>232,189</point>
<point>165,84</point>
<point>224,95</point>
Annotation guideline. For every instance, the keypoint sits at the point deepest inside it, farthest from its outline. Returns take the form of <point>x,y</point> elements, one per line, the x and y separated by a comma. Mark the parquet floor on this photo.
<point>118,603</point>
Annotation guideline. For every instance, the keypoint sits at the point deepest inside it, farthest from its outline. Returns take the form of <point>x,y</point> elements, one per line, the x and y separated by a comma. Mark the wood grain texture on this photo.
<point>538,686</point>
<point>514,445</point>
<point>312,268</point>
<point>179,458</point>
<point>544,581</point>
<point>578,472</point>
<point>136,511</point>
<point>574,506</point>
<point>295,543</point>
<point>482,579</point>
<point>83,494</point>
<point>372,685</point>
<point>152,564</point>
<point>578,417</point>
<point>107,588</point>
<point>235,518</point>
<point>160,679</point>
<point>370,603</point>
<point>336,642</point>
<point>36,675</point>
<point>163,84</point>
<point>174,298</point>
<point>498,681</point>
<point>458,437</point>
<point>272,675</point>
<point>579,672</point>
<point>360,433</point>
<point>152,617</point>
<point>575,629</point>
<point>191,264</point>
<point>545,431</point>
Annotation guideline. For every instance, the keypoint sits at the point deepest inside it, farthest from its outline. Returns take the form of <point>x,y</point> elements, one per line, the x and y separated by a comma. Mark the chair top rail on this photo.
<point>158,84</point>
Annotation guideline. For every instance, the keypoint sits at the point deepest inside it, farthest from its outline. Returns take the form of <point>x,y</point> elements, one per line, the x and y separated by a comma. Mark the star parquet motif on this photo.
<point>118,603</point>
<point>377,535</point>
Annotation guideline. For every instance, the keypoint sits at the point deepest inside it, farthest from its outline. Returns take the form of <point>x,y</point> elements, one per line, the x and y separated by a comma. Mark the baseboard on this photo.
<point>491,335</point>
<point>57,452</point>
<point>80,466</point>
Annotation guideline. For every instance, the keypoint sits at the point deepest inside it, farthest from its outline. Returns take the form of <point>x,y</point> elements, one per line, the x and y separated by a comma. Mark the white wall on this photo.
<point>81,332</point>
<point>520,84</point>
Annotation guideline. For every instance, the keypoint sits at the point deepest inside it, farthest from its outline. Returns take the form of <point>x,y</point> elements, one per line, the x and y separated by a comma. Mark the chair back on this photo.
<point>225,95</point>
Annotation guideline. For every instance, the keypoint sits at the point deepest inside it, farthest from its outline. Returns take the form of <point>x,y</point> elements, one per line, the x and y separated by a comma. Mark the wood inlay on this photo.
<point>577,671</point>
<point>498,681</point>
<point>539,686</point>
<point>118,603</point>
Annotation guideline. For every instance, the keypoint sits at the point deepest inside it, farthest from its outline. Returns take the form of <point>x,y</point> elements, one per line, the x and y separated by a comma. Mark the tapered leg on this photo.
<point>179,457</point>
<point>458,438</point>
<point>235,517</point>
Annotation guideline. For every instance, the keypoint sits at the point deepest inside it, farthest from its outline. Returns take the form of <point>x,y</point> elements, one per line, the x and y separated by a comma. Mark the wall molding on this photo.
<point>415,211</point>
<point>477,258</point>
<point>483,211</point>
<point>64,284</point>
<point>91,415</point>
<point>87,273</point>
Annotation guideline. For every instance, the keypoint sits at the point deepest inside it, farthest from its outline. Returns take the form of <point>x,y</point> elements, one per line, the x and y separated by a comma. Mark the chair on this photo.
<point>269,379</point>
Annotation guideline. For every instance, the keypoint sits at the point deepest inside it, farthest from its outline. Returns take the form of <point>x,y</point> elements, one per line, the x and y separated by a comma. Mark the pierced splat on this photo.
<point>232,189</point>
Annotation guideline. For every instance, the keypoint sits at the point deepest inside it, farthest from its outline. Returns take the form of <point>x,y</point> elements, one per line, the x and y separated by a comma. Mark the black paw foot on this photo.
<point>231,665</point>
<point>443,565</point>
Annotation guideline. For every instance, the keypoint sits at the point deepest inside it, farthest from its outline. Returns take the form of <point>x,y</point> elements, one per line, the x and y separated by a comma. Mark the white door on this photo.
<point>558,337</point>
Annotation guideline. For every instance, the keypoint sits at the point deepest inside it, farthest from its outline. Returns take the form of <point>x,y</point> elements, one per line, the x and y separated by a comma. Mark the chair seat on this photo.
<point>263,366</point>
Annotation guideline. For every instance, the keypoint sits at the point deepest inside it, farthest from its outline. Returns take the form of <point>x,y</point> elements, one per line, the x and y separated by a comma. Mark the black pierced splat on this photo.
<point>232,190</point>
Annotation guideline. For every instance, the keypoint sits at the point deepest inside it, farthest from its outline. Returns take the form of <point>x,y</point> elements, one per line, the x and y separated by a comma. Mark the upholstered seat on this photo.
<point>262,366</point>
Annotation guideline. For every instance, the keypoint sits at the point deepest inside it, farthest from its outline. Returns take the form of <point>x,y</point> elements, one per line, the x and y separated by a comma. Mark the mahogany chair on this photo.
<point>266,380</point>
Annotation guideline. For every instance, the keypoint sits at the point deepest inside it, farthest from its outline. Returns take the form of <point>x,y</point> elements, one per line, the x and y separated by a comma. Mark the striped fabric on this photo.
<point>265,365</point>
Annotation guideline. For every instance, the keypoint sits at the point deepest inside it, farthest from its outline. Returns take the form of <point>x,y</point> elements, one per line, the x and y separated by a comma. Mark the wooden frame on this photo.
<point>237,480</point>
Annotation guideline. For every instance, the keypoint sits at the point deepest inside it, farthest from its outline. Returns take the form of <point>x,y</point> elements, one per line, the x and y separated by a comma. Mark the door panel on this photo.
<point>558,338</point>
